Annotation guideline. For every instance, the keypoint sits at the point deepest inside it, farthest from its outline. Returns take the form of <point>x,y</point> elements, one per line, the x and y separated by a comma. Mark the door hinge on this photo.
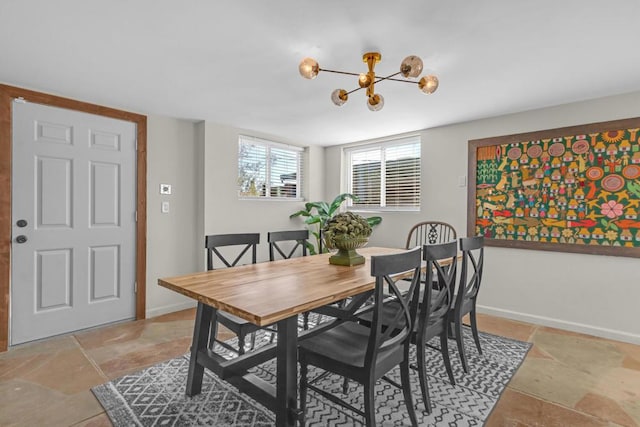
<point>136,141</point>
<point>135,287</point>
<point>136,216</point>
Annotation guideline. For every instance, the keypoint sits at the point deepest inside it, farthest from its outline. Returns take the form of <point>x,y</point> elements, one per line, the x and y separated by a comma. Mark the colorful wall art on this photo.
<point>574,189</point>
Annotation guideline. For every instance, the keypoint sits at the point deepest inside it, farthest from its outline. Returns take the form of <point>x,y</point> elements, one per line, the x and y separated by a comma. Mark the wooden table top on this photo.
<point>267,292</point>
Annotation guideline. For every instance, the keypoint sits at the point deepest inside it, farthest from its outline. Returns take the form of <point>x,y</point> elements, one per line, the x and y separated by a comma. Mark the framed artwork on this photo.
<point>572,189</point>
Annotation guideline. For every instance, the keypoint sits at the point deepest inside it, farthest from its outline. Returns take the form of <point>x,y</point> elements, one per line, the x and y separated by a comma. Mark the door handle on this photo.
<point>21,238</point>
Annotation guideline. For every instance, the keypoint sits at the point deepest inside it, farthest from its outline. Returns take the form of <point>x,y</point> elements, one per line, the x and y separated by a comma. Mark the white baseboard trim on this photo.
<point>561,324</point>
<point>514,315</point>
<point>154,312</point>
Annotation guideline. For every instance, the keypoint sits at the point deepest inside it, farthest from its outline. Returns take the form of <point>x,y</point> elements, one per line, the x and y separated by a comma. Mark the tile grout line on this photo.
<point>560,405</point>
<point>530,339</point>
<point>90,359</point>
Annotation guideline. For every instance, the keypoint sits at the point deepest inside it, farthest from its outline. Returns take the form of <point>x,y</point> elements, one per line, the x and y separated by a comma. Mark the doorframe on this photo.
<point>7,95</point>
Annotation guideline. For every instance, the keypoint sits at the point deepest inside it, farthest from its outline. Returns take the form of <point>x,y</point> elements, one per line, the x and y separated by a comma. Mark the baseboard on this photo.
<point>561,324</point>
<point>158,311</point>
<point>514,315</point>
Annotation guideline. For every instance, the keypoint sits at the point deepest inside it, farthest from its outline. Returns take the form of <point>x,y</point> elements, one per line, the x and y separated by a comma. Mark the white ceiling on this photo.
<point>236,62</point>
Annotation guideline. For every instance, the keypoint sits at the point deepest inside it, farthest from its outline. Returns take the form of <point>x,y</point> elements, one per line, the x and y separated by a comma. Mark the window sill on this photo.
<point>382,210</point>
<point>272,199</point>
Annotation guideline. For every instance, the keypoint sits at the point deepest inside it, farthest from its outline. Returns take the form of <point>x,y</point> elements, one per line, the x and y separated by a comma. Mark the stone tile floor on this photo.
<point>567,379</point>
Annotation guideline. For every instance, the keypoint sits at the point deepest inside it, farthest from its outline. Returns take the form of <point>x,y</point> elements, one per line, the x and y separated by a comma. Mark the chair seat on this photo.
<point>434,326</point>
<point>346,344</point>
<point>465,308</point>
<point>390,309</point>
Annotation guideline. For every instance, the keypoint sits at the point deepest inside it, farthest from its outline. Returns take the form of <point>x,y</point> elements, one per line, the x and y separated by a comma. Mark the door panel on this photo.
<point>53,185</point>
<point>104,273</point>
<point>53,279</point>
<point>74,184</point>
<point>104,195</point>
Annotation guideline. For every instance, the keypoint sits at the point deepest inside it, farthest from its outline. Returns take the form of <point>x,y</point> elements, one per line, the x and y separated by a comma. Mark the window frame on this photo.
<point>269,145</point>
<point>382,145</point>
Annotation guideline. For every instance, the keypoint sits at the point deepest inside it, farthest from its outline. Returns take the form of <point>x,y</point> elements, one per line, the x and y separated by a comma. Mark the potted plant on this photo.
<point>317,214</point>
<point>346,232</point>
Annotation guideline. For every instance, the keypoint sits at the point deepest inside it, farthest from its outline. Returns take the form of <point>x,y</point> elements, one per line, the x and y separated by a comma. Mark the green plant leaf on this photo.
<point>340,198</point>
<point>310,247</point>
<point>374,220</point>
<point>318,206</point>
<point>323,212</point>
<point>300,213</point>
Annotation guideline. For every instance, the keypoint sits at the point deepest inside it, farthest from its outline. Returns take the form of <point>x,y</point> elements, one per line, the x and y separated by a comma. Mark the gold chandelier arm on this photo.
<point>378,79</point>
<point>390,77</point>
<point>354,90</point>
<point>339,72</point>
<point>398,80</point>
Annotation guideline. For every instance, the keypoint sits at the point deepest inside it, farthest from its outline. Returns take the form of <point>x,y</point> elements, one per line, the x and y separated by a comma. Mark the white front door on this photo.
<point>73,221</point>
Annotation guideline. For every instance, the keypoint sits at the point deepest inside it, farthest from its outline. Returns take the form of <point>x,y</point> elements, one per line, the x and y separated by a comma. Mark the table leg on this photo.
<point>287,372</point>
<point>200,340</point>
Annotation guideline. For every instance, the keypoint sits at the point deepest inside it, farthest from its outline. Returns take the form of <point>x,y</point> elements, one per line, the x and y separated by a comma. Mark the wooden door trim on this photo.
<point>7,94</point>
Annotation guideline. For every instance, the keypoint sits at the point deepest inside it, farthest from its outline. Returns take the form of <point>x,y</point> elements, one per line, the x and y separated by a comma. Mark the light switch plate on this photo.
<point>165,207</point>
<point>462,181</point>
<point>165,188</point>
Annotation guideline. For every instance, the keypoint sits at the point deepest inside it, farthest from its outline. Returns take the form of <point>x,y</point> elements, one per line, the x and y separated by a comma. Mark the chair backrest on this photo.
<point>471,273</point>
<point>442,261</point>
<point>430,233</point>
<point>395,330</point>
<point>298,243</point>
<point>245,241</point>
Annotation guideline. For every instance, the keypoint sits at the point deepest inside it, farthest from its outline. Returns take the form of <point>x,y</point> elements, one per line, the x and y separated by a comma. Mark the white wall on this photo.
<point>587,293</point>
<point>598,295</point>
<point>200,161</point>
<point>224,212</point>
<point>171,237</point>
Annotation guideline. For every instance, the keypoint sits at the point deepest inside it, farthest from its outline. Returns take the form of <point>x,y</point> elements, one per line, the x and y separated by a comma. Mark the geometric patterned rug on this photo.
<point>156,396</point>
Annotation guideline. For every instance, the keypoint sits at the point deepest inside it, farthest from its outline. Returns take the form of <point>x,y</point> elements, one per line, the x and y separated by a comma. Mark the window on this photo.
<point>268,170</point>
<point>385,174</point>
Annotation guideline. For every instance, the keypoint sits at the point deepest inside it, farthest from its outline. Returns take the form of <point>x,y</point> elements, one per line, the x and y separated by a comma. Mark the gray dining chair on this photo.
<point>286,245</point>
<point>433,312</point>
<point>468,287</point>
<point>229,250</point>
<point>365,354</point>
<point>430,233</point>
<point>297,244</point>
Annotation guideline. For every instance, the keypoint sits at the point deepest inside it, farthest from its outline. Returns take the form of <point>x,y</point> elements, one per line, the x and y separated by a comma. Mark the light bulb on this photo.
<point>309,68</point>
<point>428,84</point>
<point>364,80</point>
<point>411,66</point>
<point>375,102</point>
<point>339,97</point>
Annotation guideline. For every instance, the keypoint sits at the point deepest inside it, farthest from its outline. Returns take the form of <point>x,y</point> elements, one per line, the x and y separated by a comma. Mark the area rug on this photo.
<point>156,396</point>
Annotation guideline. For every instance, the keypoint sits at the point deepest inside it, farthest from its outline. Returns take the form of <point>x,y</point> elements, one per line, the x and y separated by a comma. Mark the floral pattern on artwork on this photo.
<point>576,189</point>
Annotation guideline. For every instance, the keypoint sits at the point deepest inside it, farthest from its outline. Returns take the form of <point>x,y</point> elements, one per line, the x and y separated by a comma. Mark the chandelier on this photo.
<point>410,68</point>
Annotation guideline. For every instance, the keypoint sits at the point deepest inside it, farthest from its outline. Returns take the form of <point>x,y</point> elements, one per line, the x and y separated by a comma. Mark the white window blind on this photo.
<point>267,169</point>
<point>385,174</point>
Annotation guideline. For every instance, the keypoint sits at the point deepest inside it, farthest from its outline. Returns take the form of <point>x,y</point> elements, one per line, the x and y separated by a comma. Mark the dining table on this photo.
<point>268,293</point>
